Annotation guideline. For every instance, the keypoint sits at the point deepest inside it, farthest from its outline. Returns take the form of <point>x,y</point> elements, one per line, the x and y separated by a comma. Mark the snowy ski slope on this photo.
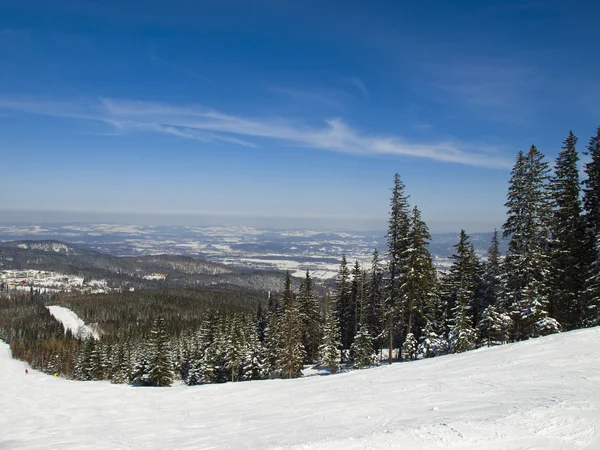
<point>542,394</point>
<point>72,322</point>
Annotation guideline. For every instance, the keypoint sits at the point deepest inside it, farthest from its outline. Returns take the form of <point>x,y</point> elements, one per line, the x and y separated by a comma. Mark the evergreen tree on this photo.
<point>372,309</point>
<point>409,348</point>
<point>288,295</point>
<point>329,350</point>
<point>235,349</point>
<point>343,304</point>
<point>292,353</point>
<point>527,264</point>
<point>591,186</point>
<point>431,344</point>
<point>310,315</point>
<point>570,256</point>
<point>272,345</point>
<point>362,351</point>
<point>253,367</point>
<point>494,326</point>
<point>492,278</point>
<point>356,298</point>
<point>159,372</point>
<point>461,288</point>
<point>420,275</point>
<point>398,244</point>
<point>592,294</point>
<point>141,367</point>
<point>591,208</point>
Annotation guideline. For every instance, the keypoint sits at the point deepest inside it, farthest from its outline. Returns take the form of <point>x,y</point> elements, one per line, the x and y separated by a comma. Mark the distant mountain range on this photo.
<point>133,271</point>
<point>232,248</point>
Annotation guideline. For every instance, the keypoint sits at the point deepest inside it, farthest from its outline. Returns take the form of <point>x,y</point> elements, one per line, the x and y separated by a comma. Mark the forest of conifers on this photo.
<point>398,308</point>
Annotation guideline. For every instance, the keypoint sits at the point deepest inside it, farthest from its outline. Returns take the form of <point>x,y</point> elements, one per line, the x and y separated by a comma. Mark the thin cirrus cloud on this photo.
<point>209,126</point>
<point>358,84</point>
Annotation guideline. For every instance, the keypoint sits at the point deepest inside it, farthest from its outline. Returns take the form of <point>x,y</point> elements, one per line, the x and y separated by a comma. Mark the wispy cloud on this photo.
<point>204,124</point>
<point>180,69</point>
<point>358,84</point>
<point>497,89</point>
<point>314,96</point>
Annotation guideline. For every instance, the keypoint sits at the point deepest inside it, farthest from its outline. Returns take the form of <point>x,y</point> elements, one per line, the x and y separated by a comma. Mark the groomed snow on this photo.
<point>72,322</point>
<point>542,394</point>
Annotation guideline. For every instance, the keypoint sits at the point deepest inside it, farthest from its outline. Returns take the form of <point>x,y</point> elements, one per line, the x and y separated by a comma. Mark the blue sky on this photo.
<point>285,113</point>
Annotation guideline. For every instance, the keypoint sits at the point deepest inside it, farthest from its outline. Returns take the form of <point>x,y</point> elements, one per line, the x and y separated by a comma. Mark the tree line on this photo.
<point>548,281</point>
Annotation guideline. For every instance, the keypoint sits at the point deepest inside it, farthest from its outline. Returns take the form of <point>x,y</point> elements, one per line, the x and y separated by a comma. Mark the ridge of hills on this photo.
<point>181,271</point>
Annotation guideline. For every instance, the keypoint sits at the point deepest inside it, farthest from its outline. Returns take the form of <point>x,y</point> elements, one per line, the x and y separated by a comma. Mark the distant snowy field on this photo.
<point>542,394</point>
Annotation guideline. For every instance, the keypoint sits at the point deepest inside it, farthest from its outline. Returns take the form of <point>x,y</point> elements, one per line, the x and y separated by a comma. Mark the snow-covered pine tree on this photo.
<point>591,207</point>
<point>571,257</point>
<point>253,361</point>
<point>592,294</point>
<point>397,245</point>
<point>527,262</point>
<point>356,298</point>
<point>420,275</point>
<point>373,304</point>
<point>119,364</point>
<point>432,343</point>
<point>329,350</point>
<point>409,348</point>
<point>310,315</point>
<point>234,349</point>
<point>273,345</point>
<point>96,366</point>
<point>141,366</point>
<point>492,274</point>
<point>343,304</point>
<point>159,369</point>
<point>461,287</point>
<point>591,187</point>
<point>288,295</point>
<point>292,352</point>
<point>362,351</point>
<point>494,326</point>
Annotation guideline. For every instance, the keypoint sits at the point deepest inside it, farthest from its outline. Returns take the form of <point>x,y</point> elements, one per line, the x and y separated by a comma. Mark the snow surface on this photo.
<point>72,322</point>
<point>543,394</point>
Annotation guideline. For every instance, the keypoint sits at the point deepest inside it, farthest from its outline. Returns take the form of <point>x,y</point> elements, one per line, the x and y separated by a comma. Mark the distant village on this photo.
<point>49,282</point>
<point>44,281</point>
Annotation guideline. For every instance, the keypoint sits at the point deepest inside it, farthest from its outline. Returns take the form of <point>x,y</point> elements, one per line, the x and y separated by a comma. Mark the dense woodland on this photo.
<point>398,308</point>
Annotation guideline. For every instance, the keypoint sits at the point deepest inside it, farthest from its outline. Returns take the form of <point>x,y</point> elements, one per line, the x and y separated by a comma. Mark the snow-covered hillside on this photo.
<point>72,322</point>
<point>542,394</point>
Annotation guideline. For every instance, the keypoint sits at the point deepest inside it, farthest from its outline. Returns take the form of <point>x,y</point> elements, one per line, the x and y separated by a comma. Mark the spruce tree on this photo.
<point>398,245</point>
<point>409,348</point>
<point>362,351</point>
<point>570,260</point>
<point>292,353</point>
<point>273,345</point>
<point>492,278</point>
<point>494,326</point>
<point>527,263</point>
<point>591,186</point>
<point>461,288</point>
<point>592,294</point>
<point>343,304</point>
<point>373,308</point>
<point>288,295</point>
<point>159,371</point>
<point>431,343</point>
<point>329,350</point>
<point>356,298</point>
<point>310,315</point>
<point>591,208</point>
<point>420,275</point>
